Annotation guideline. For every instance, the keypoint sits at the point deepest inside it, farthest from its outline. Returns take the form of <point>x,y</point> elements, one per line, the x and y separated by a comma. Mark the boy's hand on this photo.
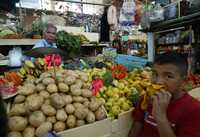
<point>160,104</point>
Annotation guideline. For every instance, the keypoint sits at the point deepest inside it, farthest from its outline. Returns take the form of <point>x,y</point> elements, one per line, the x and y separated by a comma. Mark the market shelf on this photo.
<point>173,44</point>
<point>174,23</point>
<point>18,42</point>
<point>31,42</point>
<point>95,45</point>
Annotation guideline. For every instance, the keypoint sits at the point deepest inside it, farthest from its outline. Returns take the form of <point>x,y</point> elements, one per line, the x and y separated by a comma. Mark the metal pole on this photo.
<point>151,46</point>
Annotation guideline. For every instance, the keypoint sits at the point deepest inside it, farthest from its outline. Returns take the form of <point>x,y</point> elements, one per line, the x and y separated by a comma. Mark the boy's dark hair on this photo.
<point>176,59</point>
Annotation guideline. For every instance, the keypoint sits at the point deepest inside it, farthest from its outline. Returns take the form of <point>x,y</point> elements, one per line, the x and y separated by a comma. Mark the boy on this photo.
<point>173,112</point>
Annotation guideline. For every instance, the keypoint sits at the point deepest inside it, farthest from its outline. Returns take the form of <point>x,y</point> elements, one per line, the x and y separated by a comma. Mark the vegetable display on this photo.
<point>68,42</point>
<point>54,103</point>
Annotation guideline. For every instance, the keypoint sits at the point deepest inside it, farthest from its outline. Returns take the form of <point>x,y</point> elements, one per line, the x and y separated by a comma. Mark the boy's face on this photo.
<point>168,75</point>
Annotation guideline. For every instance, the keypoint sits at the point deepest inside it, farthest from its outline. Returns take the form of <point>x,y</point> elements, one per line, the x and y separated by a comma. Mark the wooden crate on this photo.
<point>97,129</point>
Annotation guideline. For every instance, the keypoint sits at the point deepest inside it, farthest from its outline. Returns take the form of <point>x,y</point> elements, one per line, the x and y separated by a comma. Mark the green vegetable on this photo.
<point>68,42</point>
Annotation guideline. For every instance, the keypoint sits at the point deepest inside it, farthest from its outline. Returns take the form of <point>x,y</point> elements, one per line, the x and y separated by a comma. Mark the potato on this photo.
<point>37,118</point>
<point>86,104</point>
<point>19,99</point>
<point>80,123</point>
<point>85,99</point>
<point>84,78</point>
<point>67,98</point>
<point>79,83</point>
<point>61,115</point>
<point>59,126</point>
<point>86,93</point>
<point>75,91</point>
<point>72,73</point>
<point>94,105</point>
<point>44,94</point>
<point>51,119</point>
<point>26,90</point>
<point>40,87</point>
<point>17,110</point>
<point>43,129</point>
<point>78,105</point>
<point>86,85</point>
<point>57,101</point>
<point>71,121</point>
<point>63,87</point>
<point>100,114</point>
<point>69,80</point>
<point>90,117</point>
<point>70,109</point>
<point>52,88</point>
<point>45,75</point>
<point>38,80</point>
<point>48,110</point>
<point>81,113</point>
<point>17,123</point>
<point>14,134</point>
<point>29,132</point>
<point>34,102</point>
<point>47,81</point>
<point>47,102</point>
<point>78,99</point>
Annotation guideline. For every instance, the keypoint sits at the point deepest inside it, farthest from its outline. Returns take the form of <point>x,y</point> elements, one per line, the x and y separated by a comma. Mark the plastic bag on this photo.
<point>127,14</point>
<point>15,57</point>
<point>157,14</point>
<point>145,21</point>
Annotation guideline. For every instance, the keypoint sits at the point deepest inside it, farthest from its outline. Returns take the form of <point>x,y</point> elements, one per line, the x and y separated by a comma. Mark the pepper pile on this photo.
<point>119,71</point>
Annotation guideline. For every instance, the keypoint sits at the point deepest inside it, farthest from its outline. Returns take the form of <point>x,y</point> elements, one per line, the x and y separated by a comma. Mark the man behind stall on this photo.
<point>49,37</point>
<point>173,112</point>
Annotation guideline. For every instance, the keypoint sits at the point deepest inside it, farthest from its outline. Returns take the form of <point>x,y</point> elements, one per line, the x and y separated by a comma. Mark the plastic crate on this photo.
<point>131,62</point>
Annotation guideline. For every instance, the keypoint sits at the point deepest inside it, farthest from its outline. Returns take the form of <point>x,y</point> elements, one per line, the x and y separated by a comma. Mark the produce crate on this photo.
<point>97,129</point>
<point>131,62</point>
<point>122,125</point>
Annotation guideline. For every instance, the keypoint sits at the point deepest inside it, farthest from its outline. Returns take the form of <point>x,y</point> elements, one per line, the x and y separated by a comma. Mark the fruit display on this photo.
<point>33,68</point>
<point>54,102</point>
<point>121,90</point>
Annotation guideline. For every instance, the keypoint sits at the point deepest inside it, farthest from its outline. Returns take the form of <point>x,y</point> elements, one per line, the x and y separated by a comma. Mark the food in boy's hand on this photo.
<point>150,91</point>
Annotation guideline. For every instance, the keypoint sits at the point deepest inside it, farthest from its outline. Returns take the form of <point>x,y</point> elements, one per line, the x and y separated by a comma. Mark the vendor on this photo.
<point>49,37</point>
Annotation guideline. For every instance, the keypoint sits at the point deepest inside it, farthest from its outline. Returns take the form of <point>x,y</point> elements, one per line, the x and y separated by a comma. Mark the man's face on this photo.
<point>168,75</point>
<point>50,35</point>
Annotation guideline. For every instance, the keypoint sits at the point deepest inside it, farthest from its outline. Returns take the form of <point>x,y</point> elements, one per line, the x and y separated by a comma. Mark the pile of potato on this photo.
<point>54,102</point>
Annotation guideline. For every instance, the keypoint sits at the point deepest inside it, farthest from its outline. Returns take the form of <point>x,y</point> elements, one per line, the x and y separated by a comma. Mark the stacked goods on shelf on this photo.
<point>54,103</point>
<point>8,33</point>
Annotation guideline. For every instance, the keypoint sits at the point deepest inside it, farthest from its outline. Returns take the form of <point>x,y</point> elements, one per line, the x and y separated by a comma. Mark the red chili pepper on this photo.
<point>119,71</point>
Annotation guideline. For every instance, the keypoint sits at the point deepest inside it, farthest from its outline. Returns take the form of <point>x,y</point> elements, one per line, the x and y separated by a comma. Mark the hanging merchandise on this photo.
<point>127,14</point>
<point>146,11</point>
<point>157,14</point>
<point>138,11</point>
<point>171,11</point>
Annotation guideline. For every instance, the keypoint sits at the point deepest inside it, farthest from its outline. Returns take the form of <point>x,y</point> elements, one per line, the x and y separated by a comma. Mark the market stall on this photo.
<point>84,87</point>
